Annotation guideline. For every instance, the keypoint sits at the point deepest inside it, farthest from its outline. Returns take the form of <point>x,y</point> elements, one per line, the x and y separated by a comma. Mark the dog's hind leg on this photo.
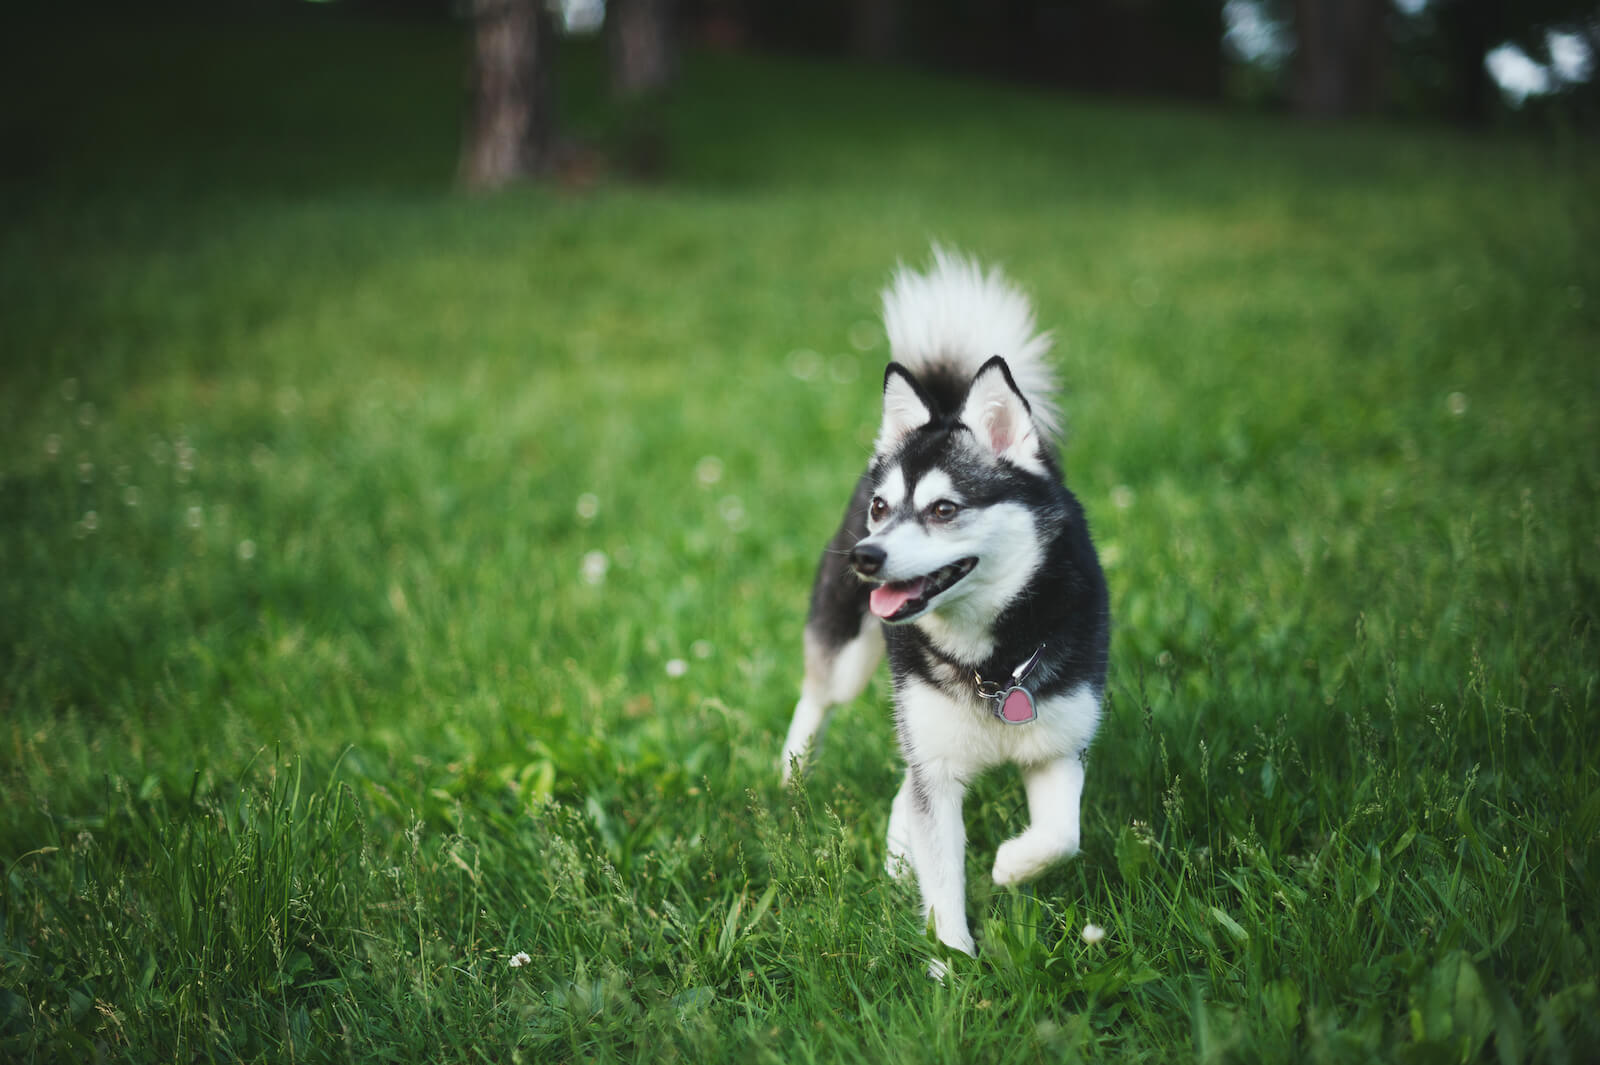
<point>899,857</point>
<point>834,674</point>
<point>844,643</point>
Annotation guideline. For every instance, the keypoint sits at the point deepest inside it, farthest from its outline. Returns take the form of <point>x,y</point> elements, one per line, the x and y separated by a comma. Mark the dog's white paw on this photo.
<point>939,969</point>
<point>1015,862</point>
<point>1028,855</point>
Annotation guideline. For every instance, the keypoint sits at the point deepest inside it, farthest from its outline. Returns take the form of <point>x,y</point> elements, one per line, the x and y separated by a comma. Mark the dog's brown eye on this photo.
<point>880,509</point>
<point>944,510</point>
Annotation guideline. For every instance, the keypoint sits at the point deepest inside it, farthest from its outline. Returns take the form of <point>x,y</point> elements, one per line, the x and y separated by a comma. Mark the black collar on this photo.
<point>1009,702</point>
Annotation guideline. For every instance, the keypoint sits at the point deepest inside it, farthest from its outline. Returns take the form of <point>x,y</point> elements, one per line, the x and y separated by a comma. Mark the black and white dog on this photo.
<point>962,551</point>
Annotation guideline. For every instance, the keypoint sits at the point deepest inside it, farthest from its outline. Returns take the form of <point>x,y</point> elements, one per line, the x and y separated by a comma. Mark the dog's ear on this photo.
<point>999,416</point>
<point>905,408</point>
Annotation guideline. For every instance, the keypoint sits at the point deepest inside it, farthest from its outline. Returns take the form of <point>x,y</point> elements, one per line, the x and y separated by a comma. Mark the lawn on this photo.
<point>400,591</point>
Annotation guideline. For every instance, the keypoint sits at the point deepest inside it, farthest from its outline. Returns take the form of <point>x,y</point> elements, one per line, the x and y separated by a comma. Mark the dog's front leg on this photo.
<point>939,841</point>
<point>1055,789</point>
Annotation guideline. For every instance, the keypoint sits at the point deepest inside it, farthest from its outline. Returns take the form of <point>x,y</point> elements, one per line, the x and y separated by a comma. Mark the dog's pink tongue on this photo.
<point>887,599</point>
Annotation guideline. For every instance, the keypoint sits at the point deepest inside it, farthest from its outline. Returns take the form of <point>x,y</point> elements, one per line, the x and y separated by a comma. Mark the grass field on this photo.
<point>394,584</point>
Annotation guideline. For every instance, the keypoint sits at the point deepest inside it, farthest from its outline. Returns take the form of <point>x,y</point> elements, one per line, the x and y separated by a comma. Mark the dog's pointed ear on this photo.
<point>999,416</point>
<point>905,408</point>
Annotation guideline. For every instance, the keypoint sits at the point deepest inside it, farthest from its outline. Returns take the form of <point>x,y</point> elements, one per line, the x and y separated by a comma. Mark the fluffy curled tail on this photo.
<point>953,317</point>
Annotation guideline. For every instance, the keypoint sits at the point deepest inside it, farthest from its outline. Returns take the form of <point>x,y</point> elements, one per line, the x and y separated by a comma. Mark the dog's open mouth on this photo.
<point>904,600</point>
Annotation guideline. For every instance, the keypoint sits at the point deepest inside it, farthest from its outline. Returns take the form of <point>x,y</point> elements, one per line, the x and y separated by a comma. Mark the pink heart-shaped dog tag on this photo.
<point>1017,708</point>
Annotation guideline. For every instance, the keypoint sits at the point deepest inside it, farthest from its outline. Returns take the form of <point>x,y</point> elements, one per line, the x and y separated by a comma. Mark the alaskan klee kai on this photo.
<point>962,552</point>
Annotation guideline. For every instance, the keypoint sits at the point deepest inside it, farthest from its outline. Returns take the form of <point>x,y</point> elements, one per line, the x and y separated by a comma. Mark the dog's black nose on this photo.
<point>867,558</point>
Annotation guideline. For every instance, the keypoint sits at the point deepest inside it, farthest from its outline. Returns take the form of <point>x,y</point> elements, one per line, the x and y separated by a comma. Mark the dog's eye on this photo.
<point>944,510</point>
<point>880,509</point>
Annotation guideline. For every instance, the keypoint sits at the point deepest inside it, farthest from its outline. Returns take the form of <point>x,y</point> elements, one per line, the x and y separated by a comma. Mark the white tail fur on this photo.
<point>958,315</point>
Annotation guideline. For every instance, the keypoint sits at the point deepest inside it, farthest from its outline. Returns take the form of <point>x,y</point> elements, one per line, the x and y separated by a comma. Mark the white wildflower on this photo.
<point>805,364</point>
<point>865,334</point>
<point>1093,933</point>
<point>708,470</point>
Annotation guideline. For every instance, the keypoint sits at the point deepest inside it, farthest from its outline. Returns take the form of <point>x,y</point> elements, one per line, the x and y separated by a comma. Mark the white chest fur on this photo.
<point>962,737</point>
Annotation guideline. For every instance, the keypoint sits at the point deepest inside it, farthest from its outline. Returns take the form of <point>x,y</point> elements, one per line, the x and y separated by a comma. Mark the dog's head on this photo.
<point>952,527</point>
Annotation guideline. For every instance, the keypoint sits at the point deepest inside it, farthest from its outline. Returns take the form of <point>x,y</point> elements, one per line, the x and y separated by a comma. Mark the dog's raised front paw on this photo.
<point>1028,855</point>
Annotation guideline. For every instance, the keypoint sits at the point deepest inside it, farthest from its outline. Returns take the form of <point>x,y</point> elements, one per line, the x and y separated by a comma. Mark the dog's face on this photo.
<point>951,528</point>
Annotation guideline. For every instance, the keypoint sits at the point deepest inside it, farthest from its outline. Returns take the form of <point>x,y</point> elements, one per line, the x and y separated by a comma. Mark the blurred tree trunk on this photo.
<point>643,46</point>
<point>644,60</point>
<point>511,126</point>
<point>1341,53</point>
<point>875,29</point>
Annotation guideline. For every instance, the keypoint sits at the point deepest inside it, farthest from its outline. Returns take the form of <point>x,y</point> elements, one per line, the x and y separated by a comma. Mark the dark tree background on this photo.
<point>1354,57</point>
<point>1348,57</point>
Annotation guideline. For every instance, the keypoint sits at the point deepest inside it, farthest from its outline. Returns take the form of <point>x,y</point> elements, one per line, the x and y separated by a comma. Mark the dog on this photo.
<point>965,556</point>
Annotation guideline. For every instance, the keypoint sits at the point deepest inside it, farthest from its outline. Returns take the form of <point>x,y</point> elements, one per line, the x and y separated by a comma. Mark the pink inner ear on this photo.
<point>1000,426</point>
<point>999,416</point>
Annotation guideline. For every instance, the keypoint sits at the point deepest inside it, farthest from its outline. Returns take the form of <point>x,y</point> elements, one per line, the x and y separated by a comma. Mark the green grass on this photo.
<point>310,722</point>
